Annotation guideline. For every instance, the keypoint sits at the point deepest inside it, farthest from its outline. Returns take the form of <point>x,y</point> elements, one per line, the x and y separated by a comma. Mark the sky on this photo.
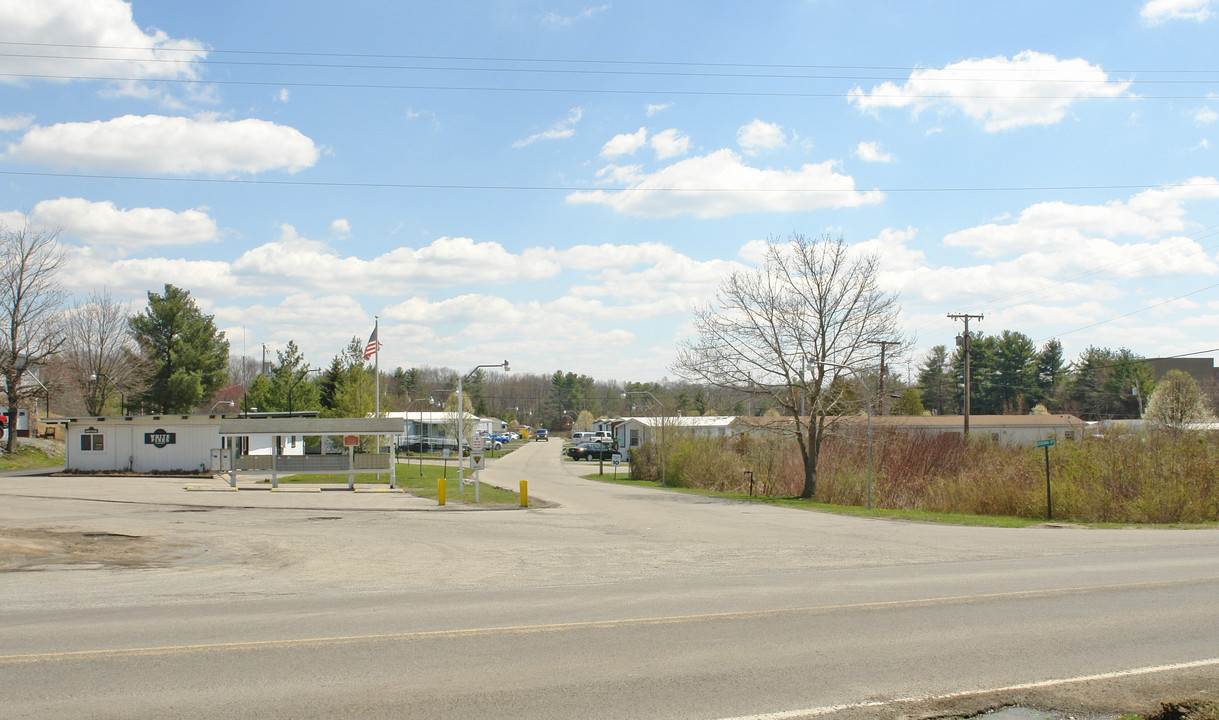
<point>561,184</point>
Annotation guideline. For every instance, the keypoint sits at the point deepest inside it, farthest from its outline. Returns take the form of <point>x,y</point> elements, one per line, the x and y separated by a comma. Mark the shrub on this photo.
<point>1152,478</point>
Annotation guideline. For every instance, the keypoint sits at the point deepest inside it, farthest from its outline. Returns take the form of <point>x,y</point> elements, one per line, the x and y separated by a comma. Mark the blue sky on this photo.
<point>561,183</point>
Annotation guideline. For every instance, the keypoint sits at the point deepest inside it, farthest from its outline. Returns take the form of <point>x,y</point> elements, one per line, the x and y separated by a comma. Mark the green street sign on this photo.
<point>1045,443</point>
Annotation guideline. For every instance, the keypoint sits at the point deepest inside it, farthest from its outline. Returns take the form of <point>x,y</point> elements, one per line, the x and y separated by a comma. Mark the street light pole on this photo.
<point>663,444</point>
<point>432,402</point>
<point>122,397</point>
<point>461,420</point>
<point>292,387</point>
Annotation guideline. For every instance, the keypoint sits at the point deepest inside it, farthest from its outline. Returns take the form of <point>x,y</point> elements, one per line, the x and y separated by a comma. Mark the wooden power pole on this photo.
<point>965,348</point>
<point>880,390</point>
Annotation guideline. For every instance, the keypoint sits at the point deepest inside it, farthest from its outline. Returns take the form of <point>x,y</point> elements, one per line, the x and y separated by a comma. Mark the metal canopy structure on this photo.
<point>348,462</point>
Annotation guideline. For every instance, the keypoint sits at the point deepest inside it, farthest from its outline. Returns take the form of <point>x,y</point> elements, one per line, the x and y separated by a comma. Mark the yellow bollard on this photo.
<point>524,493</point>
<point>440,491</point>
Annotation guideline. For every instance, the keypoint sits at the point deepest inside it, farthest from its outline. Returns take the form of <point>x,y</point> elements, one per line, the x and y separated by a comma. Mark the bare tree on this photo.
<point>99,350</point>
<point>30,302</point>
<point>793,330</point>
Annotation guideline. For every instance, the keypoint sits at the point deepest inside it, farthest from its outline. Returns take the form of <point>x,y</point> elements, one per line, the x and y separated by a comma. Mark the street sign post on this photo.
<point>1049,502</point>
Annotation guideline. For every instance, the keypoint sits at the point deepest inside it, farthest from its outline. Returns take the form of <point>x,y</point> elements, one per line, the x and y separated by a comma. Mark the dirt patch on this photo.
<point>30,549</point>
<point>1193,709</point>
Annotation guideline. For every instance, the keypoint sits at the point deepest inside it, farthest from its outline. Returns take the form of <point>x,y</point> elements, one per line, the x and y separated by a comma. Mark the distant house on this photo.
<point>631,432</point>
<point>1005,429</point>
<point>434,426</point>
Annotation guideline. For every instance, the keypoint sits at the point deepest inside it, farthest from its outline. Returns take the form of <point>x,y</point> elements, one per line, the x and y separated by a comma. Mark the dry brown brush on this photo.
<point>1144,478</point>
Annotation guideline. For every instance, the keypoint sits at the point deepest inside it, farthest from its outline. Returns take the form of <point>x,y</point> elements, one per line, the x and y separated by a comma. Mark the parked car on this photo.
<point>541,434</point>
<point>581,436</point>
<point>592,451</point>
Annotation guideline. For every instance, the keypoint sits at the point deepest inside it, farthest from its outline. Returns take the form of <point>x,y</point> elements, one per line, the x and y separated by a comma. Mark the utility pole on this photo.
<point>964,343</point>
<point>880,391</point>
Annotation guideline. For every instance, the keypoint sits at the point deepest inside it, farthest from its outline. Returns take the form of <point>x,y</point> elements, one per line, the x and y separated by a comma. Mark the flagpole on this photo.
<point>376,326</point>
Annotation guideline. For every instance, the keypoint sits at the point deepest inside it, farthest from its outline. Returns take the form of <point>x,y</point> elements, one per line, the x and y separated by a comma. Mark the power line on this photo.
<point>589,91</point>
<point>571,61</point>
<point>947,77</point>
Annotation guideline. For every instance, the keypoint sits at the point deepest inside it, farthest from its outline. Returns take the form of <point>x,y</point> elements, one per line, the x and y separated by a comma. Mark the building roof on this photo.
<point>937,422</point>
<point>308,426</point>
<point>685,421</point>
<point>428,417</point>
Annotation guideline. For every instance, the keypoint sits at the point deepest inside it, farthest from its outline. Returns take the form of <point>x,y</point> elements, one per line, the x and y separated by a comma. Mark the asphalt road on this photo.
<point>133,598</point>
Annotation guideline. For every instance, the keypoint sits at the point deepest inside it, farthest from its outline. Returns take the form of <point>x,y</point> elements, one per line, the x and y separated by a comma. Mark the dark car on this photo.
<point>541,434</point>
<point>592,451</point>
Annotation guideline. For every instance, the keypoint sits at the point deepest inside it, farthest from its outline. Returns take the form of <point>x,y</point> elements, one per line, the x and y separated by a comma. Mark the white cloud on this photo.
<point>340,228</point>
<point>759,135</point>
<point>871,152</point>
<point>720,184</point>
<point>283,95</point>
<point>15,122</point>
<point>1157,11</point>
<point>57,30</point>
<point>1206,116</point>
<point>101,223</point>
<point>557,20</point>
<point>1052,226</point>
<point>170,145</point>
<point>294,262</point>
<point>562,130</point>
<point>660,107</point>
<point>1030,89</point>
<point>625,143</point>
<point>670,143</point>
<point>621,174</point>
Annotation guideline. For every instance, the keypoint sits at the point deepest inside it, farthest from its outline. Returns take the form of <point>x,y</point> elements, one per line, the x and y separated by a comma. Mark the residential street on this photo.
<point>612,601</point>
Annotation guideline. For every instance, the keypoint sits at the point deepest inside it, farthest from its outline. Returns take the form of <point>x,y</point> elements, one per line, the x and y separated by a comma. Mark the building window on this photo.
<point>634,438</point>
<point>92,443</point>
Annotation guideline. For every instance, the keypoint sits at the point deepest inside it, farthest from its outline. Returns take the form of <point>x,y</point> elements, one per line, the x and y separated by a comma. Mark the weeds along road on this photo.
<point>132,598</point>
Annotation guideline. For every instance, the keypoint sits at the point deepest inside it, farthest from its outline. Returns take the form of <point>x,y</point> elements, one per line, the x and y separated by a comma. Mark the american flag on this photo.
<point>373,346</point>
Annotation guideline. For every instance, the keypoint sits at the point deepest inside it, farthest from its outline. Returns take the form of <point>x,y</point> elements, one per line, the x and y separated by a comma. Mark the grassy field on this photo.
<point>1158,479</point>
<point>408,477</point>
<point>33,454</point>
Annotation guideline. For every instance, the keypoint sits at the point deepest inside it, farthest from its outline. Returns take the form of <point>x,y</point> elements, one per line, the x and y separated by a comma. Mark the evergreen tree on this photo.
<point>1051,374</point>
<point>187,357</point>
<point>329,384</point>
<point>936,384</point>
<point>353,394</point>
<point>1104,383</point>
<point>1013,387</point>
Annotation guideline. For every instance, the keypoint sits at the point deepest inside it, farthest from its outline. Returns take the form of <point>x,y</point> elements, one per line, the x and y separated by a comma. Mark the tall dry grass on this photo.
<point>1153,478</point>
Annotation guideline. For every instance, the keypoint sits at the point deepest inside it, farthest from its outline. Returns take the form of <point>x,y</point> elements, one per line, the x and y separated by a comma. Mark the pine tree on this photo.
<point>187,356</point>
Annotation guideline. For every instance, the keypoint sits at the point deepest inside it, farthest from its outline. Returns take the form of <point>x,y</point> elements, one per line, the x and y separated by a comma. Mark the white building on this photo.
<point>630,432</point>
<point>436,428</point>
<point>171,443</point>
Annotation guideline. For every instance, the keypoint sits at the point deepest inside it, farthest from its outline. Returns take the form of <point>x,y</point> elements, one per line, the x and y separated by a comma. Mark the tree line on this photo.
<point>1010,375</point>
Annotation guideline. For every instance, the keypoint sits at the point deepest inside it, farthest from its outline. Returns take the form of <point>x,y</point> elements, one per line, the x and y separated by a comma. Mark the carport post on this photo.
<point>274,462</point>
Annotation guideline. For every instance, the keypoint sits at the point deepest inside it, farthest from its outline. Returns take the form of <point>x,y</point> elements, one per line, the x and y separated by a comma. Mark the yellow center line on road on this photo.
<point>585,625</point>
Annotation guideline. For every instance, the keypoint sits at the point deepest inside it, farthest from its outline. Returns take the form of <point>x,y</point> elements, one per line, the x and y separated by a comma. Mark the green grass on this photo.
<point>409,479</point>
<point>28,456</point>
<point>799,504</point>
